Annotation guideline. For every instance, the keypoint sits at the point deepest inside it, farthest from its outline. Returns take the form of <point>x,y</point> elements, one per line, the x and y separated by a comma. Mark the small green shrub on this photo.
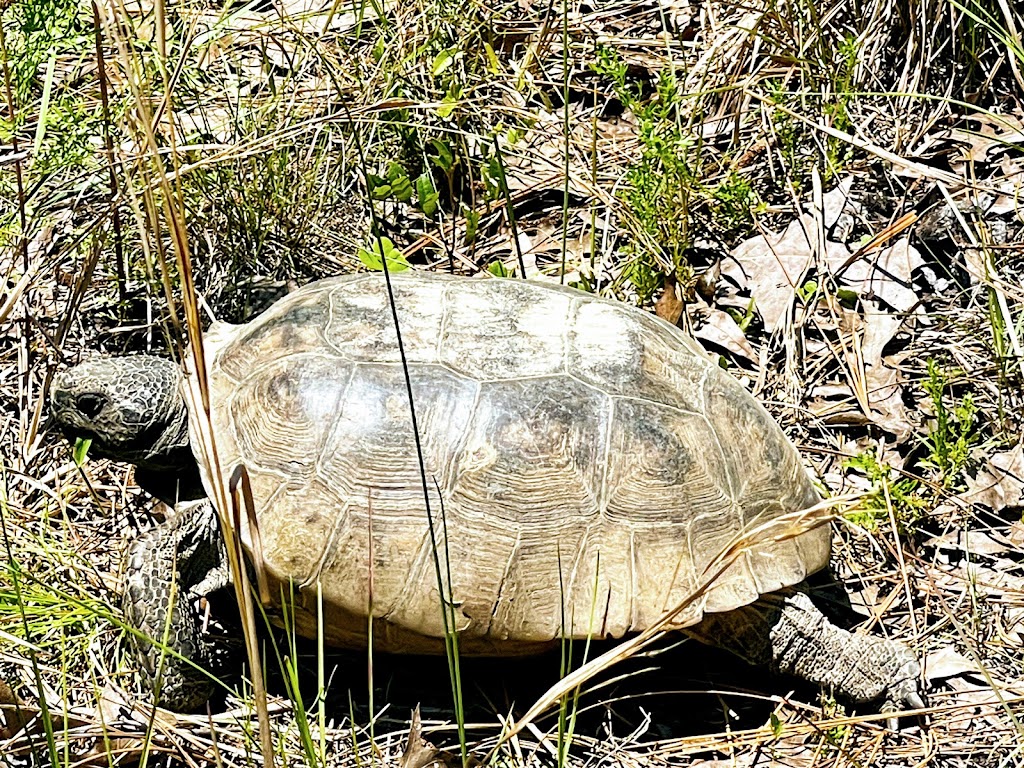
<point>952,434</point>
<point>904,493</point>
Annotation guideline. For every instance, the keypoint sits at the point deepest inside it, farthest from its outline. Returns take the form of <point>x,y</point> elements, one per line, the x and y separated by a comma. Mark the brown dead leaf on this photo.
<point>707,282</point>
<point>669,306</point>
<point>1000,483</point>
<point>713,326</point>
<point>771,268</point>
<point>679,13</point>
<point>885,275</point>
<point>989,543</point>
<point>882,383</point>
<point>885,394</point>
<point>945,662</point>
<point>993,134</point>
<point>879,329</point>
<point>1016,534</point>
<point>879,391</point>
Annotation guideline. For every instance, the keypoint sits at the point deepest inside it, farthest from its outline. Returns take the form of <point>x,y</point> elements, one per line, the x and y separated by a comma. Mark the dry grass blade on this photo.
<point>229,502</point>
<point>925,171</point>
<point>169,213</point>
<point>989,276</point>
<point>14,296</point>
<point>901,224</point>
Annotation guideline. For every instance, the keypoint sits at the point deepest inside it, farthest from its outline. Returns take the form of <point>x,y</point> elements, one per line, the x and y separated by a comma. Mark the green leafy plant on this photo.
<point>498,269</point>
<point>395,184</point>
<point>887,488</point>
<point>660,185</point>
<point>952,433</point>
<point>951,436</point>
<point>382,251</point>
<point>735,200</point>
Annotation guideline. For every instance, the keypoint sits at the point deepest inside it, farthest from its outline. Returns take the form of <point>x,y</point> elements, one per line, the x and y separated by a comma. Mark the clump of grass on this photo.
<point>286,213</point>
<point>48,115</point>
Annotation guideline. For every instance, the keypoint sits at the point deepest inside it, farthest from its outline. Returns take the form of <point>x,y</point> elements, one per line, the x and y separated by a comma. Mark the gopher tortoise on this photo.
<point>581,452</point>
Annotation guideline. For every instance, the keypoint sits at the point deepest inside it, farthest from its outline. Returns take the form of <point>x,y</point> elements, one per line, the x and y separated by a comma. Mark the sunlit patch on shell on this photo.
<point>616,352</point>
<point>517,331</point>
<point>372,447</point>
<point>361,326</point>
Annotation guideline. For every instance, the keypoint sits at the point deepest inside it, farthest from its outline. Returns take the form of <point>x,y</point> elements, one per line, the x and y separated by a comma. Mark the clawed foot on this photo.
<point>904,692</point>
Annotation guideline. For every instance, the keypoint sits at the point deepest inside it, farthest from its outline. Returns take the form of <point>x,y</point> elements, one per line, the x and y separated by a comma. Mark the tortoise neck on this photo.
<point>169,471</point>
<point>171,448</point>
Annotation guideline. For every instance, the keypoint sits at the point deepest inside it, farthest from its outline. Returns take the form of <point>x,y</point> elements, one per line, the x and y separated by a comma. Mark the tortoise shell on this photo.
<point>584,463</point>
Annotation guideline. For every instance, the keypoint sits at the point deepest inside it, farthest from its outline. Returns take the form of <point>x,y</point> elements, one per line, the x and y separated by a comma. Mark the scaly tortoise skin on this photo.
<point>571,443</point>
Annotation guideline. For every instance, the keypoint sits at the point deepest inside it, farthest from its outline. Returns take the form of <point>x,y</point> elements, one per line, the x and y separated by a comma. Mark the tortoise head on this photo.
<point>130,407</point>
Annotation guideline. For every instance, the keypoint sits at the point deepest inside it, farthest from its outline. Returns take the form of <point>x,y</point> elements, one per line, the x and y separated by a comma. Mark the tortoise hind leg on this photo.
<point>173,568</point>
<point>788,633</point>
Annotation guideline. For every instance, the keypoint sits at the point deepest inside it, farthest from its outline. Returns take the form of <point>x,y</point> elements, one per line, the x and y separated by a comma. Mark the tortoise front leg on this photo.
<point>788,633</point>
<point>173,568</point>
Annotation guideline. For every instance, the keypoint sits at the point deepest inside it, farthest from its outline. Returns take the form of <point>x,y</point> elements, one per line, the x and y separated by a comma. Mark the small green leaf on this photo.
<point>81,450</point>
<point>807,290</point>
<point>442,61</point>
<point>444,158</point>
<point>380,189</point>
<point>776,724</point>
<point>493,65</point>
<point>396,171</point>
<point>397,183</point>
<point>846,296</point>
<point>498,269</point>
<point>448,105</point>
<point>402,189</point>
<point>472,224</point>
<point>426,194</point>
<point>381,250</point>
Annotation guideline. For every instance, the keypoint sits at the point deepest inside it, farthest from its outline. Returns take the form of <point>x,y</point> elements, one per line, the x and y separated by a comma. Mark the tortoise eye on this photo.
<point>90,404</point>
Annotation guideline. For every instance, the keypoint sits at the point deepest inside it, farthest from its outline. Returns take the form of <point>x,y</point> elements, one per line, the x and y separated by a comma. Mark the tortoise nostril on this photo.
<point>90,404</point>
